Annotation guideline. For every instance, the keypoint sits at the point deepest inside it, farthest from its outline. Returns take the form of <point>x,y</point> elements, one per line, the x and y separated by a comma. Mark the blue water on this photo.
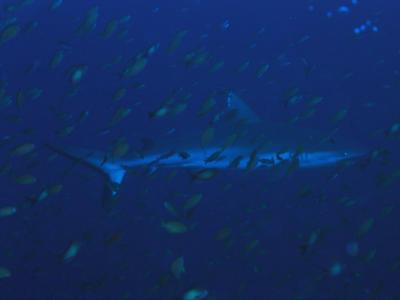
<point>329,233</point>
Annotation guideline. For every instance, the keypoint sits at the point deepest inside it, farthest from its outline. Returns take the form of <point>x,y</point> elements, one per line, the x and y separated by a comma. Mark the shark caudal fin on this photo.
<point>112,172</point>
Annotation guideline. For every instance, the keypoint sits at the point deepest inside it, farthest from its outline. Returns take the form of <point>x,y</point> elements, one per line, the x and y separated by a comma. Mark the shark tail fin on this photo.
<point>112,172</point>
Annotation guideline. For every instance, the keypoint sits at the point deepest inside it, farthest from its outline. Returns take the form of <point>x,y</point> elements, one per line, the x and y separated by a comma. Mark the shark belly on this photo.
<point>200,158</point>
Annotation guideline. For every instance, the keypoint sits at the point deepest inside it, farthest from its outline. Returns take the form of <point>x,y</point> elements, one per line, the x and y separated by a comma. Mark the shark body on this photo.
<point>253,146</point>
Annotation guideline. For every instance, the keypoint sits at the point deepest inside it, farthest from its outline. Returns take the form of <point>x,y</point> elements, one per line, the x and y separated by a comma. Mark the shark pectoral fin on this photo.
<point>115,174</point>
<point>235,103</point>
<point>112,172</point>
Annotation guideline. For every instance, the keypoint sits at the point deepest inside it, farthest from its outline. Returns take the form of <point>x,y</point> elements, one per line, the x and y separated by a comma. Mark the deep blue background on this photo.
<point>255,207</point>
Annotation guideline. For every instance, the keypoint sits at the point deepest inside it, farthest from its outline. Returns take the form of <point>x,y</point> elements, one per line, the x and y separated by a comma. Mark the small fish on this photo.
<point>66,131</point>
<point>54,189</point>
<point>315,100</point>
<point>9,32</point>
<point>23,149</point>
<point>33,67</point>
<point>207,137</point>
<point>252,162</point>
<point>170,208</point>
<point>340,115</point>
<point>178,108</point>
<point>176,41</point>
<point>89,23</point>
<point>174,227</point>
<point>30,26</point>
<point>207,106</point>
<point>366,227</point>
<point>160,112</point>
<point>336,269</point>
<point>45,193</point>
<point>56,59</point>
<point>56,4</point>
<point>196,58</point>
<point>314,237</point>
<point>71,251</point>
<point>191,203</point>
<point>184,155</point>
<point>291,96</point>
<point>120,114</point>
<point>235,162</point>
<point>252,245</point>
<point>230,140</point>
<point>178,267</point>
<point>120,148</point>
<point>217,66</point>
<point>34,94</point>
<point>243,66</point>
<point>205,174</point>
<point>223,234</point>
<point>195,294</point>
<point>215,156</point>
<point>77,73</point>
<point>4,273</point>
<point>110,28</point>
<point>119,94</point>
<point>136,66</point>
<point>26,179</point>
<point>262,70</point>
<point>7,211</point>
<point>393,130</point>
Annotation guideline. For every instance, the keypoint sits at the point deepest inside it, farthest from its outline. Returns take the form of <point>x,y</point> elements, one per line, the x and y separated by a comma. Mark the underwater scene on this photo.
<point>199,150</point>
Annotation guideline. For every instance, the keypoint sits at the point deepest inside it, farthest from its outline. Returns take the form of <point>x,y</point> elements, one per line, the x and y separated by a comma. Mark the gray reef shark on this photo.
<point>236,139</point>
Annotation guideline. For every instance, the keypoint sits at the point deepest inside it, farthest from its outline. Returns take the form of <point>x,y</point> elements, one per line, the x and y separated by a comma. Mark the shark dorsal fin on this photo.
<point>235,103</point>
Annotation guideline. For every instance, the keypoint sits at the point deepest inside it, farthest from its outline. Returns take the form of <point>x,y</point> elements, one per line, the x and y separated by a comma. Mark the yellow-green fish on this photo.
<point>170,208</point>
<point>207,106</point>
<point>71,251</point>
<point>23,149</point>
<point>366,226</point>
<point>26,179</point>
<point>207,137</point>
<point>120,114</point>
<point>89,23</point>
<point>4,273</point>
<point>54,189</point>
<point>243,66</point>
<point>136,66</point>
<point>57,59</point>
<point>192,203</point>
<point>178,267</point>
<point>340,115</point>
<point>205,174</point>
<point>77,73</point>
<point>217,66</point>
<point>7,211</point>
<point>121,148</point>
<point>223,234</point>
<point>56,4</point>
<point>174,227</point>
<point>119,94</point>
<point>66,131</point>
<point>9,32</point>
<point>176,41</point>
<point>262,70</point>
<point>110,28</point>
